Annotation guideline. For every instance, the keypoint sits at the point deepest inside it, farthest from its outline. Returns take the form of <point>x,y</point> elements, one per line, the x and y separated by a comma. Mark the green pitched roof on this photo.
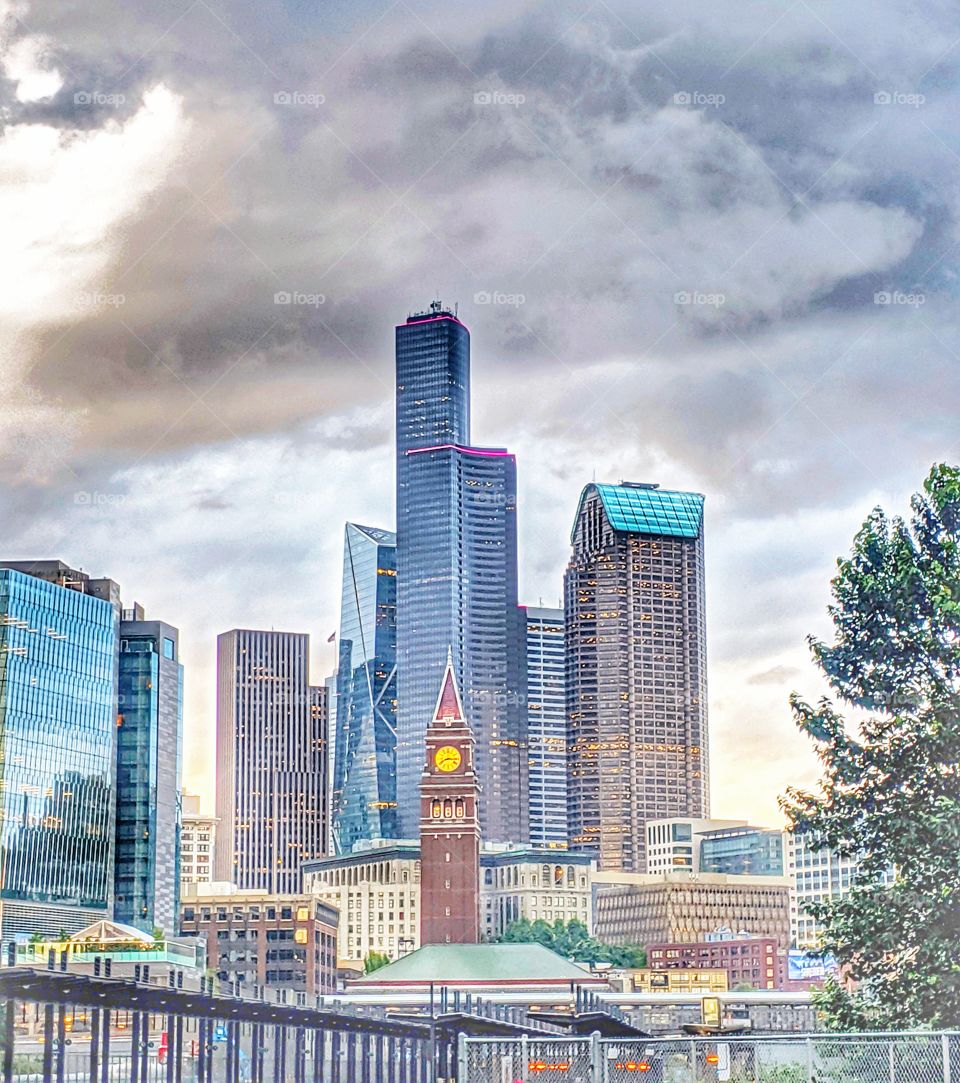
<point>646,509</point>
<point>449,964</point>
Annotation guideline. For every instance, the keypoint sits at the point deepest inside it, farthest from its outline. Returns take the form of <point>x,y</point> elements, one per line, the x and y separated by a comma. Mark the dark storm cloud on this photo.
<point>671,230</point>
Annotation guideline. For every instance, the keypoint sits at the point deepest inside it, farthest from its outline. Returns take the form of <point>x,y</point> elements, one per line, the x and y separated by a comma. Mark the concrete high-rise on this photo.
<point>636,677</point>
<point>149,742</point>
<point>271,760</point>
<point>456,576</point>
<point>365,767</point>
<point>58,704</point>
<point>546,726</point>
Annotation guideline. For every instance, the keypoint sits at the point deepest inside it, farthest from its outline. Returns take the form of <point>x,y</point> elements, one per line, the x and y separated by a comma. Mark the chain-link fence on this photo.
<point>863,1058</point>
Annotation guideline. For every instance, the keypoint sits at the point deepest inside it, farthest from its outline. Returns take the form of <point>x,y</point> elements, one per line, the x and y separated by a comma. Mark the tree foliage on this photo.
<point>374,961</point>
<point>572,940</point>
<point>890,791</point>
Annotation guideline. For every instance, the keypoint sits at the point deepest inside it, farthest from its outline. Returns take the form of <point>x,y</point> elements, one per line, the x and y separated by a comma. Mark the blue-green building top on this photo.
<point>638,508</point>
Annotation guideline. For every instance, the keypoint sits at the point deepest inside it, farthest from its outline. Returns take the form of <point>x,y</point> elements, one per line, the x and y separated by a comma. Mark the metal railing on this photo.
<point>915,1057</point>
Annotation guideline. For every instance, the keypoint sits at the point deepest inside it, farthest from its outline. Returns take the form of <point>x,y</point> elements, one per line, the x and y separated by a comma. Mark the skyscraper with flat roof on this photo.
<point>149,743</point>
<point>636,677</point>
<point>58,704</point>
<point>456,576</point>
<point>271,760</point>
<point>365,768</point>
<point>546,726</point>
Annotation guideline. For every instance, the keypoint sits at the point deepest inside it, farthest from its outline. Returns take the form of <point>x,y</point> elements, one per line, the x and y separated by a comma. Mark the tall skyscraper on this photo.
<point>547,726</point>
<point>449,825</point>
<point>636,677</point>
<point>58,704</point>
<point>149,742</point>
<point>271,760</point>
<point>365,767</point>
<point>456,576</point>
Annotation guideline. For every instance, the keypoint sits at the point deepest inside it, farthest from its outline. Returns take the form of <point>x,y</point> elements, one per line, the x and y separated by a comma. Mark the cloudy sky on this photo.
<point>709,245</point>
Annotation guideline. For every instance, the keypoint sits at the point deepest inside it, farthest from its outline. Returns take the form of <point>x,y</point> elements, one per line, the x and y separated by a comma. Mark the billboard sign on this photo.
<point>809,966</point>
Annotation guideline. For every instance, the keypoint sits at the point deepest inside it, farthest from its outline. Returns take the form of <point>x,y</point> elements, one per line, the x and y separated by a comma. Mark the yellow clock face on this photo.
<point>447,758</point>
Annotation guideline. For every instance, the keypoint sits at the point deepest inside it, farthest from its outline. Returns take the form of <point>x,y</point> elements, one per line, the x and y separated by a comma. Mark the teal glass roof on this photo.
<point>641,509</point>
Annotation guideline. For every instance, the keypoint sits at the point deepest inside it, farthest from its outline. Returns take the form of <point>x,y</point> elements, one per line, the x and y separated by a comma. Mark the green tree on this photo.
<point>573,941</point>
<point>890,791</point>
<point>375,960</point>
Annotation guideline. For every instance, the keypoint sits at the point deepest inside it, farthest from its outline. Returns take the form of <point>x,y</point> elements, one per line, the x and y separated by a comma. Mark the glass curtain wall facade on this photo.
<point>149,758</point>
<point>271,760</point>
<point>742,851</point>
<point>58,698</point>
<point>546,726</point>
<point>636,676</point>
<point>365,768</point>
<point>456,576</point>
<point>461,593</point>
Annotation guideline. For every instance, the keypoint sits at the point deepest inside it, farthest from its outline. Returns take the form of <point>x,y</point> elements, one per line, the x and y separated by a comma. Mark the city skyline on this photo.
<point>708,274</point>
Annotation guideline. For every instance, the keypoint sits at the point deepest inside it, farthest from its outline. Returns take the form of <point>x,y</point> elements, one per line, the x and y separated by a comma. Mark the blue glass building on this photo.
<point>365,766</point>
<point>742,851</point>
<point>58,702</point>
<point>149,742</point>
<point>456,576</point>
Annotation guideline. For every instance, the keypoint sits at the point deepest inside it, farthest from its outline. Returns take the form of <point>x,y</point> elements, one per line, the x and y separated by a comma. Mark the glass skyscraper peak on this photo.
<point>365,783</point>
<point>456,575</point>
<point>636,668</point>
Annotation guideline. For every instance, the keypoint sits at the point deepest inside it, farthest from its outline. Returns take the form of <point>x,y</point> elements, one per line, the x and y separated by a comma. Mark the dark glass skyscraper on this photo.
<point>365,767</point>
<point>149,741</point>
<point>636,668</point>
<point>456,576</point>
<point>58,702</point>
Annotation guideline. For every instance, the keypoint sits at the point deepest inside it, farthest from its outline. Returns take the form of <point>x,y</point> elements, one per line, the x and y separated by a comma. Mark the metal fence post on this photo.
<point>461,1058</point>
<point>525,1059</point>
<point>809,1060</point>
<point>945,1045</point>
<point>596,1057</point>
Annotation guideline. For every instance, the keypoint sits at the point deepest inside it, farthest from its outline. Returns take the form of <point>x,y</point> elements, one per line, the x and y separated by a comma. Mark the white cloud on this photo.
<point>27,63</point>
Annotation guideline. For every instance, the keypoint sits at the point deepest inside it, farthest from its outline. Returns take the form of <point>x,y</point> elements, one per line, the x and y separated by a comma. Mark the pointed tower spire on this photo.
<point>449,705</point>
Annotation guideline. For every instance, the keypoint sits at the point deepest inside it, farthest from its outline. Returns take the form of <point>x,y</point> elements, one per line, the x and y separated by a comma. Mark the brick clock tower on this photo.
<point>449,826</point>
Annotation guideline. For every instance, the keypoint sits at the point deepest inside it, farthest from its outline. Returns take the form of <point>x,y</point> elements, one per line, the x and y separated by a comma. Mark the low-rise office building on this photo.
<point>658,979</point>
<point>377,891</point>
<point>198,838</point>
<point>256,940</point>
<point>816,876</point>
<point>636,908</point>
<point>758,962</point>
